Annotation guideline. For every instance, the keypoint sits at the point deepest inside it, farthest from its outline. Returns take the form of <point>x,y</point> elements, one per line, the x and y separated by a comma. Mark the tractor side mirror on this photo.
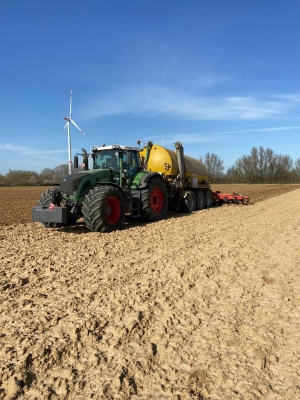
<point>75,162</point>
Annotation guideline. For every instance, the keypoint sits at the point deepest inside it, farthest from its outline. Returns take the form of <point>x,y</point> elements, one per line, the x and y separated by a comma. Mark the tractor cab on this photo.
<point>122,161</point>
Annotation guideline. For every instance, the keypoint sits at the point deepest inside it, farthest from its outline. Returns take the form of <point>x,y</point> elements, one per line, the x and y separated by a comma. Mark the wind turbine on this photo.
<point>70,121</point>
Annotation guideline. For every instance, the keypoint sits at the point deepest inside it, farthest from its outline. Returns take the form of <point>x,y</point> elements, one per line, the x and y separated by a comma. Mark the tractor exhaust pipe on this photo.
<point>181,163</point>
<point>148,149</point>
<point>85,160</point>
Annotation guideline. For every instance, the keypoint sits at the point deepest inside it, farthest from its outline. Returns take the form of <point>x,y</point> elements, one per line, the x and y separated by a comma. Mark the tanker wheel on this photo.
<point>45,201</point>
<point>208,198</point>
<point>104,209</point>
<point>189,204</point>
<point>200,200</point>
<point>154,201</point>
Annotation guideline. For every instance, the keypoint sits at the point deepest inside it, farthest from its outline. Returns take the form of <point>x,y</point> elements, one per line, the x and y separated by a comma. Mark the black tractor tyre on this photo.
<point>200,200</point>
<point>188,203</point>
<point>154,201</point>
<point>208,199</point>
<point>104,209</point>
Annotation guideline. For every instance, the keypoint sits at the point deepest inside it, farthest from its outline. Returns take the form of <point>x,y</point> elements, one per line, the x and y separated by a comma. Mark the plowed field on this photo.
<point>16,202</point>
<point>198,306</point>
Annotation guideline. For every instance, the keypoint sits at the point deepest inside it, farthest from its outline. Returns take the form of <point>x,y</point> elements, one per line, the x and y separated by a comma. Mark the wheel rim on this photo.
<point>156,200</point>
<point>112,210</point>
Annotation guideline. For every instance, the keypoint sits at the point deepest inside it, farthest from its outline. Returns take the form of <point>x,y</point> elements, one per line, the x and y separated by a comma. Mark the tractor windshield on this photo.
<point>106,159</point>
<point>109,158</point>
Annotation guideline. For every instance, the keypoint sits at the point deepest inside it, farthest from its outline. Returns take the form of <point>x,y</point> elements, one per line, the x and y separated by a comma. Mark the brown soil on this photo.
<point>16,202</point>
<point>201,306</point>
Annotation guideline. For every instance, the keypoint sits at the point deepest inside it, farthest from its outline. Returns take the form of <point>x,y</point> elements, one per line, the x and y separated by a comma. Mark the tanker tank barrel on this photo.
<point>171,163</point>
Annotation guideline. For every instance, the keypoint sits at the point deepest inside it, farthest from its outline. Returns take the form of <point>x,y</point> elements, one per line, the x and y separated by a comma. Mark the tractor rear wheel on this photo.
<point>188,203</point>
<point>208,198</point>
<point>104,209</point>
<point>154,201</point>
<point>200,200</point>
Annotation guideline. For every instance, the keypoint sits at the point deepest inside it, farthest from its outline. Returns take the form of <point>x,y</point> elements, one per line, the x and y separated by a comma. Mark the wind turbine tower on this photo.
<point>70,121</point>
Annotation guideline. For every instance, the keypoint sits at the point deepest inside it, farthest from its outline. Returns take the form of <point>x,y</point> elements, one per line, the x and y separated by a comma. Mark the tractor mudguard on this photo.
<point>142,179</point>
<point>109,184</point>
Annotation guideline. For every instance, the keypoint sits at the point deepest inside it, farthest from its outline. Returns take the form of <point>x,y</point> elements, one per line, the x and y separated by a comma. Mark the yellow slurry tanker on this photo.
<point>120,180</point>
<point>185,177</point>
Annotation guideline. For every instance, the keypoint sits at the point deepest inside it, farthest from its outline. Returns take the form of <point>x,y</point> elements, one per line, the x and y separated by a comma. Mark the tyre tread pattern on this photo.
<point>146,212</point>
<point>93,209</point>
<point>188,206</point>
<point>200,200</point>
<point>208,198</point>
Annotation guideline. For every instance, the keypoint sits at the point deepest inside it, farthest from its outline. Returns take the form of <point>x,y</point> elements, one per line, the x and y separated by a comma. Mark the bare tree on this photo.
<point>261,164</point>
<point>286,168</point>
<point>253,165</point>
<point>264,166</point>
<point>235,175</point>
<point>20,177</point>
<point>53,175</point>
<point>214,165</point>
<point>297,166</point>
<point>61,171</point>
<point>33,180</point>
<point>245,165</point>
<point>2,180</point>
<point>47,175</point>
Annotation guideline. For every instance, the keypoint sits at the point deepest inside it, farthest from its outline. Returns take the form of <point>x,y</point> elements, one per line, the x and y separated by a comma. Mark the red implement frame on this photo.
<point>233,198</point>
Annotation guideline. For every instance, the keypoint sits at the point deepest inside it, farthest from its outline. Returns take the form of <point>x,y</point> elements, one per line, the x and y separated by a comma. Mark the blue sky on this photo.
<point>219,76</point>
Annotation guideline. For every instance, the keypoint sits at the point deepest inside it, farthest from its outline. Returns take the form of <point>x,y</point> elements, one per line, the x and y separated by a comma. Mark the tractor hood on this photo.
<point>79,181</point>
<point>71,183</point>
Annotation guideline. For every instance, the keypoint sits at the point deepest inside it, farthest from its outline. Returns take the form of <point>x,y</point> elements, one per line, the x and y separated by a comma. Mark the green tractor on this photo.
<point>117,185</point>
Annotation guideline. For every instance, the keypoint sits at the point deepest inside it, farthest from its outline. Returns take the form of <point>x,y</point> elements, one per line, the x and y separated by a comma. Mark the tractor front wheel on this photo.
<point>154,201</point>
<point>104,209</point>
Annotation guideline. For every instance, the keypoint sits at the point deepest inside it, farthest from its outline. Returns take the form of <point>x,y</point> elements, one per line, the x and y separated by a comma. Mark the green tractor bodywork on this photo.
<point>115,186</point>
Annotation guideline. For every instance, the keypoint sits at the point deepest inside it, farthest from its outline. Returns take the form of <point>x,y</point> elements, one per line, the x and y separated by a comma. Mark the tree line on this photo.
<point>260,166</point>
<point>47,177</point>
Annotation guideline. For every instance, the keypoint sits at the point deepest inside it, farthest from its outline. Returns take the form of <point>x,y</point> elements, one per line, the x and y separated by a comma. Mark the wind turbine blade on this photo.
<point>77,127</point>
<point>71,104</point>
<point>65,126</point>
